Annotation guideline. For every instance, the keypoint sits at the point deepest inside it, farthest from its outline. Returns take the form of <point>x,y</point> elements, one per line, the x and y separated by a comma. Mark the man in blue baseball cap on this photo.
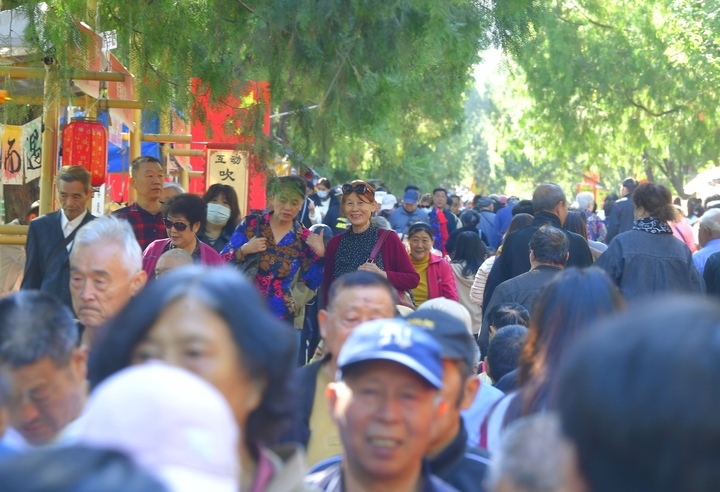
<point>384,402</point>
<point>402,217</point>
<point>449,455</point>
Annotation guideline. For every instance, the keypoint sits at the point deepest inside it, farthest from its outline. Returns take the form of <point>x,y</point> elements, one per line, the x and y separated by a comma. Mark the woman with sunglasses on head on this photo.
<point>353,249</point>
<point>184,215</point>
<point>285,246</point>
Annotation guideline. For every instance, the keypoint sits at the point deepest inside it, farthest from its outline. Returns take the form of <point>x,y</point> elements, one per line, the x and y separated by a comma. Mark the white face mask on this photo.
<point>322,194</point>
<point>217,214</point>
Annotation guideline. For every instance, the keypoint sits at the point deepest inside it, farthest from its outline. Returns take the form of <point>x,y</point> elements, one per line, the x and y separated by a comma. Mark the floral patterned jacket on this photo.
<point>279,263</point>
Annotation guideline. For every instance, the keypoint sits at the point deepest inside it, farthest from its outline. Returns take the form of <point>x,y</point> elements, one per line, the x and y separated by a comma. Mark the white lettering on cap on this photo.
<point>396,335</point>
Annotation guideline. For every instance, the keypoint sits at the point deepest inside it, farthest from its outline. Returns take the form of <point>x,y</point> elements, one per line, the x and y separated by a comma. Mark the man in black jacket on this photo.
<point>548,256</point>
<point>622,213</point>
<point>50,237</point>
<point>550,206</point>
<point>449,456</point>
<point>354,298</point>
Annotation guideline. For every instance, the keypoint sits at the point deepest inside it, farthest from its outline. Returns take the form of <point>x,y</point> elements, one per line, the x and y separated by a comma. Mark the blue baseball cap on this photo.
<point>397,341</point>
<point>411,197</point>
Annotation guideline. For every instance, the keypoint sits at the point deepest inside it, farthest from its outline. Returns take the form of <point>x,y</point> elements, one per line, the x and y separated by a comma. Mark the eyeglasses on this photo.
<point>179,226</point>
<point>360,189</point>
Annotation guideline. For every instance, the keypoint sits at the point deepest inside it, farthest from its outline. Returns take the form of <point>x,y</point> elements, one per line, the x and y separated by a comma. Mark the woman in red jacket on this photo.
<point>436,275</point>
<point>352,250</point>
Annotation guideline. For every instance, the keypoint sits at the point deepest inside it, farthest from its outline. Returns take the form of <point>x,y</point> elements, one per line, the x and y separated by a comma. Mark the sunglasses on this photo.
<point>360,189</point>
<point>179,226</point>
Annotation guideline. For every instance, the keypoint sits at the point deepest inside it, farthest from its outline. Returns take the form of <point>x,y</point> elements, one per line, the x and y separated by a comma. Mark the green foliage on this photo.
<point>622,88</point>
<point>384,73</point>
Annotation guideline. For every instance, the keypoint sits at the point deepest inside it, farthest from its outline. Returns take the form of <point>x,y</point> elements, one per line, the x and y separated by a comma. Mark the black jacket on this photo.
<point>621,218</point>
<point>331,480</point>
<point>303,386</point>
<point>47,267</point>
<point>460,465</point>
<point>522,289</point>
<point>711,274</point>
<point>221,240</point>
<point>515,257</point>
<point>333,213</point>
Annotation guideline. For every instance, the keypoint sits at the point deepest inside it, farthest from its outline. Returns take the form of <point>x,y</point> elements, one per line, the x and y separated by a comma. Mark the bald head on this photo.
<point>549,197</point>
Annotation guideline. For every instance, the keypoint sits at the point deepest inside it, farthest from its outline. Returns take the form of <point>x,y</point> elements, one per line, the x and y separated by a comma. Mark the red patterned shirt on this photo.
<point>148,227</point>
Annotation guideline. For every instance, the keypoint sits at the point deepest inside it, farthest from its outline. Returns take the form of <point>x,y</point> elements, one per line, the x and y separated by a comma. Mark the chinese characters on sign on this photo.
<point>20,148</point>
<point>229,167</point>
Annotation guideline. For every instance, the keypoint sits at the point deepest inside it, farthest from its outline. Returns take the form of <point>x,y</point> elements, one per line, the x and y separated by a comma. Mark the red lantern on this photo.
<point>84,143</point>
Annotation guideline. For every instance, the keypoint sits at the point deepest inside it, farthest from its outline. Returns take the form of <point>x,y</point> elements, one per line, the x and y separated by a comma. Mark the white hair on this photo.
<point>585,200</point>
<point>174,186</point>
<point>711,220</point>
<point>531,455</point>
<point>112,231</point>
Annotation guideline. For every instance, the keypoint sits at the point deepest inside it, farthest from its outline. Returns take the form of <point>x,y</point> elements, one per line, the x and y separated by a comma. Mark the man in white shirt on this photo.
<point>50,237</point>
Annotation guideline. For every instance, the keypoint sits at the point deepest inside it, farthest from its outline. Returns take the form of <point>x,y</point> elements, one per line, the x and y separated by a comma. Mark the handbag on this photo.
<point>405,297</point>
<point>249,266</point>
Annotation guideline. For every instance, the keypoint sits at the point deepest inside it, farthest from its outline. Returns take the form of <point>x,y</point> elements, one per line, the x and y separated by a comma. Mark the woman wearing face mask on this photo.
<point>328,205</point>
<point>223,213</point>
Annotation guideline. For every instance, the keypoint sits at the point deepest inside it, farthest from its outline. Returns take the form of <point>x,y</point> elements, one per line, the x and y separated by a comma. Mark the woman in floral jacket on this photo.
<point>284,246</point>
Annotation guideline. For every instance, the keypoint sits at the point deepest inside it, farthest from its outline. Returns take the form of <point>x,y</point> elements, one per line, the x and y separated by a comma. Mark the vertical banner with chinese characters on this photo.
<point>31,138</point>
<point>229,167</point>
<point>12,161</point>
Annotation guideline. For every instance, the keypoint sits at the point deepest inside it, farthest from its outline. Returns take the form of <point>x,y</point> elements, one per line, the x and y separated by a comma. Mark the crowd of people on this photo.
<point>345,340</point>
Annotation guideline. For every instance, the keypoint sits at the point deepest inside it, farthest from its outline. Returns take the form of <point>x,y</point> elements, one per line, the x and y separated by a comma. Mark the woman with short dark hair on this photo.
<point>436,274</point>
<point>184,215</point>
<point>328,204</point>
<point>648,259</point>
<point>213,323</point>
<point>223,214</point>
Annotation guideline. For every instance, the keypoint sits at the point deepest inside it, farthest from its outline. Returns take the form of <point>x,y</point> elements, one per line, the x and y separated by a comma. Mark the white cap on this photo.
<point>450,307</point>
<point>389,202</point>
<point>169,421</point>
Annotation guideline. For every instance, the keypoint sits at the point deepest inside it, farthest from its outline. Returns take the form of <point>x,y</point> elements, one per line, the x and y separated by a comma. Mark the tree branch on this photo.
<point>591,20</point>
<point>347,53</point>
<point>247,7</point>
<point>653,113</point>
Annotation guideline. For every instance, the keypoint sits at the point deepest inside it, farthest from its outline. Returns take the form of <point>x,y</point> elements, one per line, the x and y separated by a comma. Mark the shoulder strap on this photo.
<point>62,246</point>
<point>376,250</point>
<point>256,229</point>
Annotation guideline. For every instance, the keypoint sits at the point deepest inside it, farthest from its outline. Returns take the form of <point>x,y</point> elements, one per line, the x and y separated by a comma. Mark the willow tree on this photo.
<point>628,85</point>
<point>349,74</point>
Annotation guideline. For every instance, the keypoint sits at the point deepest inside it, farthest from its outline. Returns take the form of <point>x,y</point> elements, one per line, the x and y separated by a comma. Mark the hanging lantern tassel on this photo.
<point>84,143</point>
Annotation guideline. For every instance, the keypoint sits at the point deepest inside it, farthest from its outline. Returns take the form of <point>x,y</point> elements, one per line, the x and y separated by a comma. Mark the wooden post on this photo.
<point>49,143</point>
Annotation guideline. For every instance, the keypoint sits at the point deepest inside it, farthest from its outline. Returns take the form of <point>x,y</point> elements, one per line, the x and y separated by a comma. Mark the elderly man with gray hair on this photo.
<point>596,228</point>
<point>708,238</point>
<point>46,369</point>
<point>533,457</point>
<point>105,272</point>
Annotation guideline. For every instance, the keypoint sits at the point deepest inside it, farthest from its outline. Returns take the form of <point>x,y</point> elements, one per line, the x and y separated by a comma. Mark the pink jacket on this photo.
<point>441,279</point>
<point>208,256</point>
